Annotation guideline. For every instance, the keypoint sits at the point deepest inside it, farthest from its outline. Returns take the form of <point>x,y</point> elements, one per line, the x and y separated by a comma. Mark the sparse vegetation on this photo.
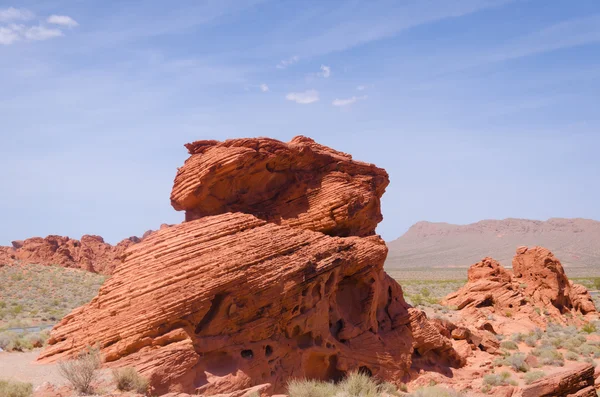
<point>13,341</point>
<point>128,379</point>
<point>532,376</point>
<point>81,372</point>
<point>435,391</point>
<point>356,384</point>
<point>9,388</point>
<point>504,378</point>
<point>38,294</point>
<point>509,345</point>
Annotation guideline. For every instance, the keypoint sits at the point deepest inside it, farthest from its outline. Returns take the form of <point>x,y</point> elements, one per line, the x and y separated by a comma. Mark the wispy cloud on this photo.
<point>359,23</point>
<point>62,20</point>
<point>325,71</point>
<point>347,101</point>
<point>571,33</point>
<point>13,32</point>
<point>287,62</point>
<point>303,98</point>
<point>15,14</point>
<point>264,87</point>
<point>361,88</point>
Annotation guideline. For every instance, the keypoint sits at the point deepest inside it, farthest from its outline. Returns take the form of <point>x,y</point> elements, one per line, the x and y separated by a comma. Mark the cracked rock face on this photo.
<point>276,273</point>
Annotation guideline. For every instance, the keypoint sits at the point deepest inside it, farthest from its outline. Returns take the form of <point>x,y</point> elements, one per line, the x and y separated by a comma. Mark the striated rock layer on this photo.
<point>90,253</point>
<point>536,291</point>
<point>276,274</point>
<point>299,184</point>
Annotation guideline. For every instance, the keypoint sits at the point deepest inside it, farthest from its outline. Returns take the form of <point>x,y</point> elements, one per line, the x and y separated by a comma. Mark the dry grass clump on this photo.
<point>356,384</point>
<point>128,379</point>
<point>12,341</point>
<point>515,361</point>
<point>509,345</point>
<point>9,388</point>
<point>548,355</point>
<point>532,376</point>
<point>504,378</point>
<point>81,372</point>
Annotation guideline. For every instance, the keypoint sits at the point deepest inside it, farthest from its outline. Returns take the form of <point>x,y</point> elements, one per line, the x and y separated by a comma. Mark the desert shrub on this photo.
<point>532,376</point>
<point>509,345</point>
<point>128,379</point>
<point>531,341</point>
<point>435,391</point>
<point>548,355</point>
<point>517,362</point>
<point>358,384</point>
<point>12,341</point>
<point>504,378</point>
<point>573,343</point>
<point>589,328</point>
<point>518,337</point>
<point>572,356</point>
<point>81,372</point>
<point>9,388</point>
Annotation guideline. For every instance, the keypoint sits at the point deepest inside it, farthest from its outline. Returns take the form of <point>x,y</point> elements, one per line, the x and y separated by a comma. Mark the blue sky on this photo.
<point>478,109</point>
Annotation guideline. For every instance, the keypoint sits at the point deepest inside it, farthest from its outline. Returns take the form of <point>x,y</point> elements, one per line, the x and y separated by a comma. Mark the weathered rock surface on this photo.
<point>536,292</point>
<point>299,184</point>
<point>577,382</point>
<point>276,274</point>
<point>90,253</point>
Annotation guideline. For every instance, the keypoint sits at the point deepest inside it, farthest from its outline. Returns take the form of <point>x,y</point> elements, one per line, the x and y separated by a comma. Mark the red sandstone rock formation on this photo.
<point>298,184</point>
<point>90,253</point>
<point>276,274</point>
<point>577,382</point>
<point>537,290</point>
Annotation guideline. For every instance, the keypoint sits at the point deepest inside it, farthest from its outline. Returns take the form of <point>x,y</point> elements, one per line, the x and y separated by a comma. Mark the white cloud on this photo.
<point>287,62</point>
<point>8,36</point>
<point>62,20</point>
<point>347,101</point>
<point>325,71</point>
<point>15,14</point>
<point>303,98</point>
<point>40,33</point>
<point>361,87</point>
<point>264,87</point>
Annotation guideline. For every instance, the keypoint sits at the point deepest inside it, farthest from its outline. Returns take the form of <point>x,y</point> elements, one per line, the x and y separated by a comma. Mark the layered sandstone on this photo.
<point>536,291</point>
<point>576,382</point>
<point>276,273</point>
<point>90,253</point>
<point>298,184</point>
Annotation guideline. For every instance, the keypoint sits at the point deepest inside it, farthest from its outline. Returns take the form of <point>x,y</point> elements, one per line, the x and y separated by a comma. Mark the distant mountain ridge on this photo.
<point>576,242</point>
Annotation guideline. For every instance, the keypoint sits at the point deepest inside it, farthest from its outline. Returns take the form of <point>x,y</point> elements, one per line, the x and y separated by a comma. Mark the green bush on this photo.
<point>9,388</point>
<point>517,362</point>
<point>509,345</point>
<point>572,356</point>
<point>548,355</point>
<point>504,378</point>
<point>589,328</point>
<point>532,376</point>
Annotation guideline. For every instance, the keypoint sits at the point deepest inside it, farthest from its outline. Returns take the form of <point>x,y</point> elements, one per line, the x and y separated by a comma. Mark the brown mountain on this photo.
<point>576,242</point>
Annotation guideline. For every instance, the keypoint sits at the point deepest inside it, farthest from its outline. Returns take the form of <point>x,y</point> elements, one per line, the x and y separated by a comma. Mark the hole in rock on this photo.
<point>296,331</point>
<point>353,299</point>
<point>510,305</point>
<point>487,302</point>
<point>316,292</point>
<point>305,340</point>
<point>211,313</point>
<point>247,354</point>
<point>323,367</point>
<point>365,370</point>
<point>329,283</point>
<point>336,328</point>
<point>268,350</point>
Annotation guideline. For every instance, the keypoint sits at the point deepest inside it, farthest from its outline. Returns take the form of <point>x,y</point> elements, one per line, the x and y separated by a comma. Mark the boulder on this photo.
<point>576,382</point>
<point>275,274</point>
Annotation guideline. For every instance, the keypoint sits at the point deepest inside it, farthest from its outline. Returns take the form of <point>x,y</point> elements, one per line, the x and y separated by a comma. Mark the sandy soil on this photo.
<point>23,367</point>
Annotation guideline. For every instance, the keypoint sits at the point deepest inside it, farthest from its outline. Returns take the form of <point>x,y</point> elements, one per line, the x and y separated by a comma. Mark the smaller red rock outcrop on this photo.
<point>577,382</point>
<point>537,290</point>
<point>90,253</point>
